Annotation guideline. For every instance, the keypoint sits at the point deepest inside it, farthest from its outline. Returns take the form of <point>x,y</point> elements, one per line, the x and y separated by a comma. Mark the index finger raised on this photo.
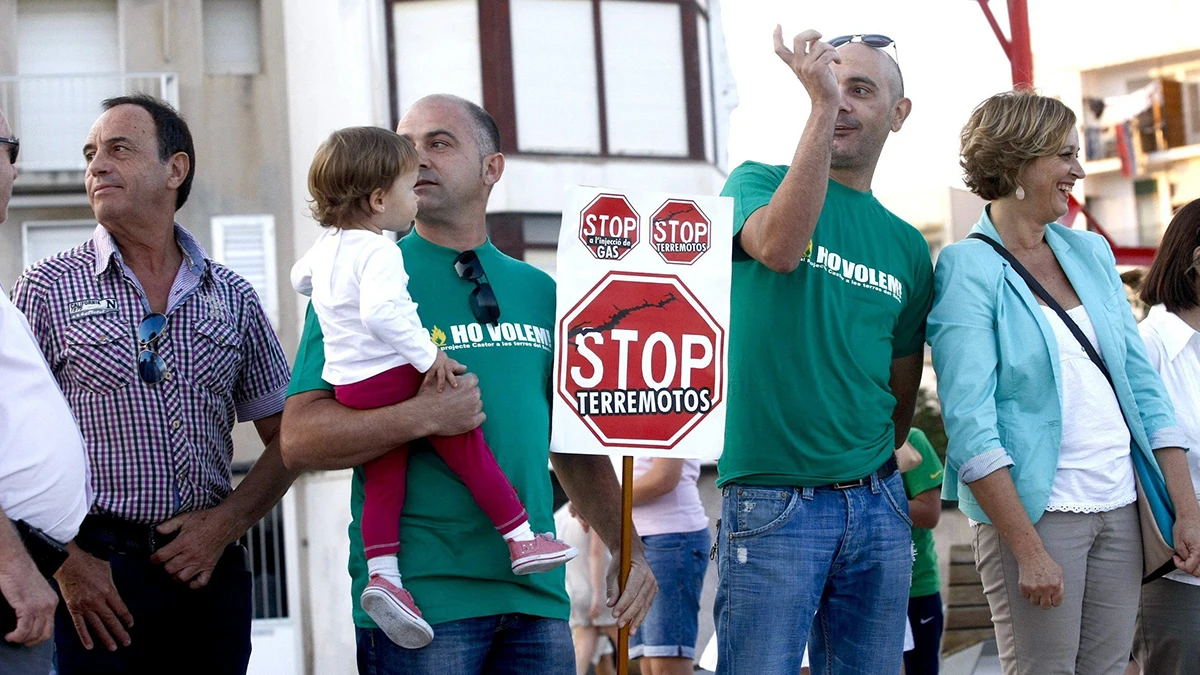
<point>780,50</point>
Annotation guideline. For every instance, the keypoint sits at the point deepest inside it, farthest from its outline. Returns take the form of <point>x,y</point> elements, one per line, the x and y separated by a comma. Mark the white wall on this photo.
<point>336,77</point>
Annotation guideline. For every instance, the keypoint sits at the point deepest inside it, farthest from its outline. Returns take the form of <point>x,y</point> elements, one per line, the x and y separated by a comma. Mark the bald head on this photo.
<point>888,66</point>
<point>486,132</point>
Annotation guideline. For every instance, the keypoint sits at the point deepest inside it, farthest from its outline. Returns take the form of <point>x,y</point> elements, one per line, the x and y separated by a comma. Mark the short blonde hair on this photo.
<point>350,165</point>
<point>1006,132</point>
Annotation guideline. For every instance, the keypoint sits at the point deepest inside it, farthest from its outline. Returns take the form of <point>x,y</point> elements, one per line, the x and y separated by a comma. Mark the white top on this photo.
<point>680,510</point>
<point>1095,470</point>
<point>44,474</point>
<point>359,290</point>
<point>1174,350</point>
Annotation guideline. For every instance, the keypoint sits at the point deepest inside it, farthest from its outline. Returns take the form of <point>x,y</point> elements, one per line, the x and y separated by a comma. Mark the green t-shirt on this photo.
<point>810,352</point>
<point>926,476</point>
<point>451,558</point>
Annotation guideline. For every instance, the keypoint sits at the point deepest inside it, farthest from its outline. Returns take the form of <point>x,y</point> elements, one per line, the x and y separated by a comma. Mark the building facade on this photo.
<point>628,94</point>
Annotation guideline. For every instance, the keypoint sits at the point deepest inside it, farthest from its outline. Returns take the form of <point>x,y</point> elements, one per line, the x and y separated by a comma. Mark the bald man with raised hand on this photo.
<point>815,530</point>
<point>43,476</point>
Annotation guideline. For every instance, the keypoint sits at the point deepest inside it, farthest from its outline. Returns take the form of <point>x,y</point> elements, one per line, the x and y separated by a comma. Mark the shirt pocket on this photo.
<point>101,355</point>
<point>216,347</point>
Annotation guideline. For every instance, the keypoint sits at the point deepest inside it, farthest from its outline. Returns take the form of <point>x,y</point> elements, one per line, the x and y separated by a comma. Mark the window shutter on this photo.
<point>246,245</point>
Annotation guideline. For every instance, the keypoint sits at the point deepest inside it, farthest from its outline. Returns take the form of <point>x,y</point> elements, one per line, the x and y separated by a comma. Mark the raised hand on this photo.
<point>810,59</point>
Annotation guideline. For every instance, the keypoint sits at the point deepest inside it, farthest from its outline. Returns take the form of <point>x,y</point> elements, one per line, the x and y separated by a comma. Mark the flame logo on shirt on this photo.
<point>438,336</point>
<point>808,251</point>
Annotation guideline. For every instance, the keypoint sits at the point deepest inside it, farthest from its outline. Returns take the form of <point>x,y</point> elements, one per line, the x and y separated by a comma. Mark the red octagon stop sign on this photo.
<point>680,232</point>
<point>640,360</point>
<point>608,227</point>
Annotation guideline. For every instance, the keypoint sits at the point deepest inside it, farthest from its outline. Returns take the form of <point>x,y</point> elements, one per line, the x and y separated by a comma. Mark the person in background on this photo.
<point>922,484</point>
<point>669,516</point>
<point>591,625</point>
<point>1165,642</point>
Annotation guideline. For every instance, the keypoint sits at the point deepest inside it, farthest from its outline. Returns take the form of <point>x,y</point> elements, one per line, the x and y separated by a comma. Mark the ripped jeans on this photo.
<point>817,566</point>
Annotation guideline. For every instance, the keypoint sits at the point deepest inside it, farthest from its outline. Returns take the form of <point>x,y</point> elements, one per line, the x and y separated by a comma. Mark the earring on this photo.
<point>1020,193</point>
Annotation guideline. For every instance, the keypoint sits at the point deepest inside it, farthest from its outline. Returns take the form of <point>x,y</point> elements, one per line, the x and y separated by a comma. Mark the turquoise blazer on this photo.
<point>998,376</point>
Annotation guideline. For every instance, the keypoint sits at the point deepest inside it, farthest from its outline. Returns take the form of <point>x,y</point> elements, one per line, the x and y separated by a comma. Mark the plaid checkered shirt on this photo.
<point>155,450</point>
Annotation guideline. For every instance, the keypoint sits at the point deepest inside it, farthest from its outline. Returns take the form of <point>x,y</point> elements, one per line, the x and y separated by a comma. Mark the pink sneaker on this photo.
<point>539,554</point>
<point>393,609</point>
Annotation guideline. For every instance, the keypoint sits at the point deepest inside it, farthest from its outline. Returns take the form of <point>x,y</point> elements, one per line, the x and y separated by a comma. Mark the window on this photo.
<point>532,237</point>
<point>67,57</point>
<point>231,37</point>
<point>579,77</point>
<point>437,50</point>
<point>643,78</point>
<point>45,238</point>
<point>1148,221</point>
<point>557,100</point>
<point>1191,106</point>
<point>540,234</point>
<point>246,245</point>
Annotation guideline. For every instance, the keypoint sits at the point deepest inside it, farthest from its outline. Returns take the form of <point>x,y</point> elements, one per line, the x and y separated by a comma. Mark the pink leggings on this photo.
<point>467,455</point>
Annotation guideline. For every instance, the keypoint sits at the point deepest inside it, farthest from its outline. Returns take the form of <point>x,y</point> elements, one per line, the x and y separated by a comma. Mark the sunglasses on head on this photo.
<point>14,147</point>
<point>151,367</point>
<point>483,299</point>
<point>874,40</point>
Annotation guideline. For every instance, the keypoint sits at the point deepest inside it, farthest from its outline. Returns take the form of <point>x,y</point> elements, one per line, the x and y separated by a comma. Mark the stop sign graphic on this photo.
<point>608,227</point>
<point>641,360</point>
<point>680,232</point>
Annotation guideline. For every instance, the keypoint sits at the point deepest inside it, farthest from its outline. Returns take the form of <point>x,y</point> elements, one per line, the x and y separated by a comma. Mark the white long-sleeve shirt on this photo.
<point>1174,351</point>
<point>359,290</point>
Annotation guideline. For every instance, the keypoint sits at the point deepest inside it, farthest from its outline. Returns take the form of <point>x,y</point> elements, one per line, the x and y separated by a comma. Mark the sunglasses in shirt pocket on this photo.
<point>216,355</point>
<point>101,355</point>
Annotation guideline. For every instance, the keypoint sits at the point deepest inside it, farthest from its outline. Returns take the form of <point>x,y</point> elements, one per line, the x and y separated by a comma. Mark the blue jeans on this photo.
<point>508,644</point>
<point>830,568</point>
<point>678,560</point>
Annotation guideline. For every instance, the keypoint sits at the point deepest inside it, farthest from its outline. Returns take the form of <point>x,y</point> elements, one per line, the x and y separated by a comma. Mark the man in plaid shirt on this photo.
<point>158,351</point>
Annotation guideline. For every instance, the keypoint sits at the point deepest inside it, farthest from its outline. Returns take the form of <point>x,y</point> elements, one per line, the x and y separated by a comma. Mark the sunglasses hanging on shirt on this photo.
<point>483,299</point>
<point>151,367</point>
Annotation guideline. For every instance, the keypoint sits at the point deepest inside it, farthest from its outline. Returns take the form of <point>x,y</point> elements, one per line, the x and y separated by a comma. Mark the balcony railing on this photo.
<point>52,114</point>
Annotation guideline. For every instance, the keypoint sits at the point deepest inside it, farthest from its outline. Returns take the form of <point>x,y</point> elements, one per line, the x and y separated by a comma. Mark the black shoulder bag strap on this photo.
<point>1042,293</point>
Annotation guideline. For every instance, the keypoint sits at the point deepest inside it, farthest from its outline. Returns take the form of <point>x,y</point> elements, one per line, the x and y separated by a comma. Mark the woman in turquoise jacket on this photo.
<point>1042,452</point>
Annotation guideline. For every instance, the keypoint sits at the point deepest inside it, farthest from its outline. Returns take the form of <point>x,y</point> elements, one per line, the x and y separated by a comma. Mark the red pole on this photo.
<point>1020,50</point>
